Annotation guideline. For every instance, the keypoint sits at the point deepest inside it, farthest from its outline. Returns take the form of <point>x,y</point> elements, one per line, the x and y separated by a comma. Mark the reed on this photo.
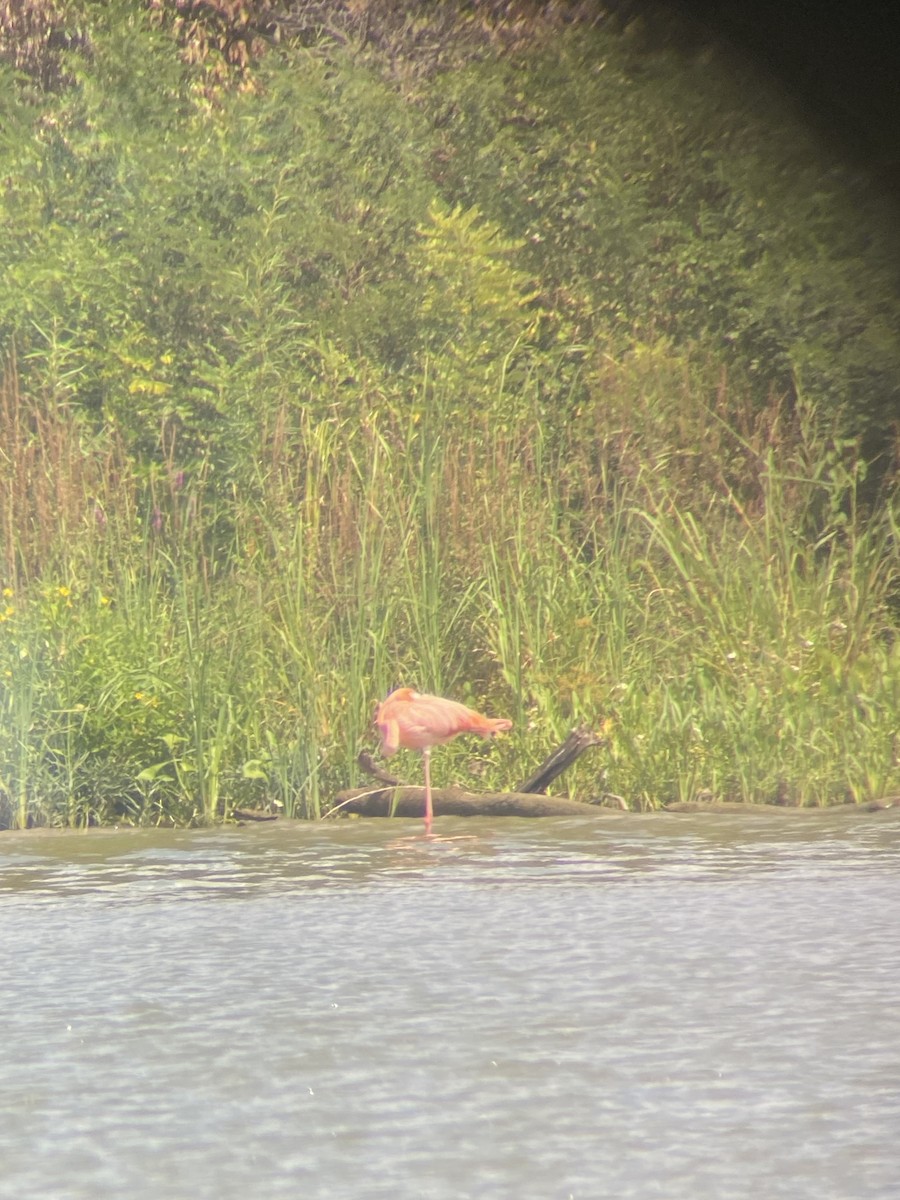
<point>169,651</point>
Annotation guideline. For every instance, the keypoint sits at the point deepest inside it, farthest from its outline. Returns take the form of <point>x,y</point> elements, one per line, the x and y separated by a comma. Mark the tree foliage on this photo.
<point>167,255</point>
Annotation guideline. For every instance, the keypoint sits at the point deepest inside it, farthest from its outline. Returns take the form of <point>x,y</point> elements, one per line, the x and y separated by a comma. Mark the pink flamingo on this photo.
<point>416,721</point>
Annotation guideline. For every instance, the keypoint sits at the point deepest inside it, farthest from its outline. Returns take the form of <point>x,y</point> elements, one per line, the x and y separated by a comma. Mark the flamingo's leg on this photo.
<point>429,812</point>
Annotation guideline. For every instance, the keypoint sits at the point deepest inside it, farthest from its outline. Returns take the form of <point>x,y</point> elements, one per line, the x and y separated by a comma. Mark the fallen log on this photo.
<point>254,814</point>
<point>371,767</point>
<point>528,800</point>
<point>410,802</point>
<point>561,759</point>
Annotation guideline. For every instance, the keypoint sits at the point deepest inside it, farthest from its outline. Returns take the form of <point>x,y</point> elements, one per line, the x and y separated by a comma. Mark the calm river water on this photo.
<point>686,1007</point>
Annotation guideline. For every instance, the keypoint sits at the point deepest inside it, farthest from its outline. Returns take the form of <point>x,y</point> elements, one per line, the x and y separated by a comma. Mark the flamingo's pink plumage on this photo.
<point>416,721</point>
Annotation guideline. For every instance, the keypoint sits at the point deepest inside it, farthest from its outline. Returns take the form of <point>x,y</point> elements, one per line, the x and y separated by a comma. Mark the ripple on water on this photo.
<point>691,1007</point>
<point>280,859</point>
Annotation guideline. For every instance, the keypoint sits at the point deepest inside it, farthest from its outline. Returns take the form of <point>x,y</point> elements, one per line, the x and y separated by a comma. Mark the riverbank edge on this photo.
<point>888,806</point>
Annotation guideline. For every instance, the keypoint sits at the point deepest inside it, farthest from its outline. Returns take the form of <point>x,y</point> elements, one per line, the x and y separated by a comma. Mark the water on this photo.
<point>660,1006</point>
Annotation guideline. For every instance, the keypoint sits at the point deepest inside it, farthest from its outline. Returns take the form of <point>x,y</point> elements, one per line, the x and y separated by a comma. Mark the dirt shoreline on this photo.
<point>889,806</point>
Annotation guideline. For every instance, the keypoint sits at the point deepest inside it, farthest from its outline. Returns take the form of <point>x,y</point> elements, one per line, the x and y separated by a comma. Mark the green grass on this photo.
<point>184,656</point>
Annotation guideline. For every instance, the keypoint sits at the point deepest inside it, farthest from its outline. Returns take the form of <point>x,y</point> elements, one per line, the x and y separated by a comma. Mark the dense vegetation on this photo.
<point>551,366</point>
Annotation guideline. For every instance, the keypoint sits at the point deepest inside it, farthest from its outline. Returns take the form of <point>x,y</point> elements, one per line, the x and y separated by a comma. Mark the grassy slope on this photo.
<point>532,377</point>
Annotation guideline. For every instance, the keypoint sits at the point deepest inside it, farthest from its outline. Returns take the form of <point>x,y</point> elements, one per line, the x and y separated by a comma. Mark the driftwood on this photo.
<point>576,743</point>
<point>455,802</point>
<point>371,767</point>
<point>401,800</point>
